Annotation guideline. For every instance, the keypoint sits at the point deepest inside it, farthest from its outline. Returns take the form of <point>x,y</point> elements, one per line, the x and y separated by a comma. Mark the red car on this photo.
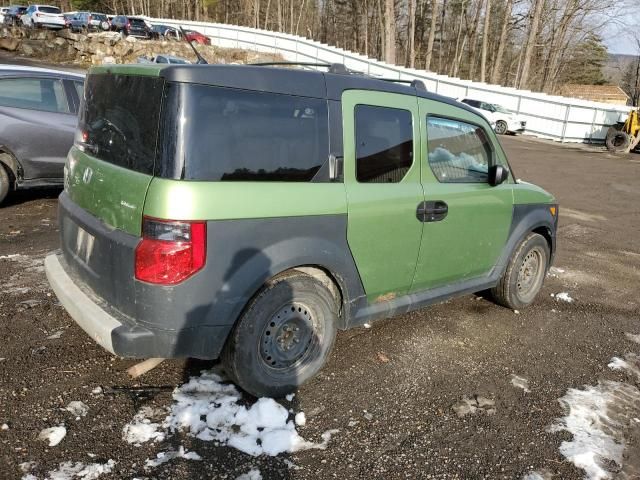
<point>193,36</point>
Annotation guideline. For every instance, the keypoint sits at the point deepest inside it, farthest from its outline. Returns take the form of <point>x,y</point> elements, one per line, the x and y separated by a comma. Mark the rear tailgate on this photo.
<point>107,174</point>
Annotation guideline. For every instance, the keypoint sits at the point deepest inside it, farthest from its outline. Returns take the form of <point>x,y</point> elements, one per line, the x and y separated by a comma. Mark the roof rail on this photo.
<point>417,84</point>
<point>339,68</point>
<point>332,67</point>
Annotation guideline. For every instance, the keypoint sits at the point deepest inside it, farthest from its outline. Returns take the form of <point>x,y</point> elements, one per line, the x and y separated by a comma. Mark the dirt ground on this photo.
<point>389,390</point>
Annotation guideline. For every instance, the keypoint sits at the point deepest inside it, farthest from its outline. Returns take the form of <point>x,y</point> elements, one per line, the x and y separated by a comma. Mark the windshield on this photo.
<point>49,9</point>
<point>500,108</point>
<point>119,120</point>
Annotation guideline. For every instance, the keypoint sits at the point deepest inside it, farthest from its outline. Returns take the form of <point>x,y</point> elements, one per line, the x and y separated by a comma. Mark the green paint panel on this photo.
<point>187,200</point>
<point>469,241</point>
<point>383,231</point>
<point>525,193</point>
<point>113,194</point>
<point>151,70</point>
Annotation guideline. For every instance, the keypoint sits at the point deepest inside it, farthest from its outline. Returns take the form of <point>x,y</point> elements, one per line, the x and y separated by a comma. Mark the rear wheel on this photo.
<point>283,338</point>
<point>617,141</point>
<point>5,183</point>
<point>501,127</point>
<point>523,278</point>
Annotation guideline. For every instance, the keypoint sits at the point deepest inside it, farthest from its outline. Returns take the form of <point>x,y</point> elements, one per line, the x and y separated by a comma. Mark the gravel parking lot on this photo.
<point>465,389</point>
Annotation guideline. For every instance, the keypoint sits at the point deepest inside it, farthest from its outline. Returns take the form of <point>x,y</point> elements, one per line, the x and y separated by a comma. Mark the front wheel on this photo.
<point>501,127</point>
<point>523,278</point>
<point>5,183</point>
<point>283,338</point>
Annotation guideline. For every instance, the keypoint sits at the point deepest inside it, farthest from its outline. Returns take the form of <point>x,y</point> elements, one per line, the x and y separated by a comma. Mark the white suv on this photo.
<point>38,16</point>
<point>503,120</point>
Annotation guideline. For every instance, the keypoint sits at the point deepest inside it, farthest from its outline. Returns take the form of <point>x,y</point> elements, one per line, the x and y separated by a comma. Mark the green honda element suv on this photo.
<point>249,212</point>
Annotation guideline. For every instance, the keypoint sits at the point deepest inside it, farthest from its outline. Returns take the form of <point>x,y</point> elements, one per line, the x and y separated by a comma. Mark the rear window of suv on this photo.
<point>49,10</point>
<point>118,122</point>
<point>225,134</point>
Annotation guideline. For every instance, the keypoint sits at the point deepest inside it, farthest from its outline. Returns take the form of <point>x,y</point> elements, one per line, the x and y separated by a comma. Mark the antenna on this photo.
<point>201,60</point>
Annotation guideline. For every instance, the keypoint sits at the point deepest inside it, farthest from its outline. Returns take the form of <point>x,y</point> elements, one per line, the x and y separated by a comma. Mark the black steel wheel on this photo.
<point>284,336</point>
<point>525,273</point>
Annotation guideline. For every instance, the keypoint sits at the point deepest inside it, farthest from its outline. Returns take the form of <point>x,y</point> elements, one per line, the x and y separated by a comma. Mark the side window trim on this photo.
<point>489,143</point>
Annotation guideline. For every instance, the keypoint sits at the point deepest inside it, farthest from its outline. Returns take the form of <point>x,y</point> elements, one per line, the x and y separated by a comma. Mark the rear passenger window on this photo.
<point>45,94</point>
<point>384,144</point>
<point>458,152</point>
<point>240,135</point>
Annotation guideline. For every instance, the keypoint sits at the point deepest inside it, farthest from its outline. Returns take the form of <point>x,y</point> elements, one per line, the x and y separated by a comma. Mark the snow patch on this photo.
<point>544,475</point>
<point>300,419</point>
<point>630,363</point>
<point>596,418</point>
<point>520,382</point>
<point>71,470</point>
<point>210,410</point>
<point>77,408</point>
<point>164,457</point>
<point>250,475</point>
<point>141,429</point>
<point>53,435</point>
<point>564,296</point>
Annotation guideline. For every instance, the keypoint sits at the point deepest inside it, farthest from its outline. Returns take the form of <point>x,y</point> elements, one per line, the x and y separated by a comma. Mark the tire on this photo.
<point>283,338</point>
<point>524,276</point>
<point>617,141</point>
<point>501,127</point>
<point>5,183</point>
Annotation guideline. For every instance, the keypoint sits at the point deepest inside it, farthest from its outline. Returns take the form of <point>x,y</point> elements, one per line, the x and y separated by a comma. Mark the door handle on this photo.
<point>432,211</point>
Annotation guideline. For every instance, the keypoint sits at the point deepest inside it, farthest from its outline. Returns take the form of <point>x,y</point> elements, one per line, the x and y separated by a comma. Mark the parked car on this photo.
<point>290,204</point>
<point>89,21</point>
<point>504,120</point>
<point>193,36</point>
<point>67,19</point>
<point>13,14</point>
<point>43,16</point>
<point>38,116</point>
<point>159,32</point>
<point>136,27</point>
<point>3,11</point>
<point>164,59</point>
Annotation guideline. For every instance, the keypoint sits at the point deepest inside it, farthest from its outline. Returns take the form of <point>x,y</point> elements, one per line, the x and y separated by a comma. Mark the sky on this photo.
<point>618,34</point>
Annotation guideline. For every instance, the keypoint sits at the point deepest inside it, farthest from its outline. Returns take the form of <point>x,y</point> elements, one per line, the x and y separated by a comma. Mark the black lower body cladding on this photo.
<point>193,318</point>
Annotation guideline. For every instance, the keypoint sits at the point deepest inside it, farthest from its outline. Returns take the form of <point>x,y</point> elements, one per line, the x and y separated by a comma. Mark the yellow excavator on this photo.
<point>624,137</point>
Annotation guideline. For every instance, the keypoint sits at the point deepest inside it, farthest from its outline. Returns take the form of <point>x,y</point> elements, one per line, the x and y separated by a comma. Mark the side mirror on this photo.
<point>497,175</point>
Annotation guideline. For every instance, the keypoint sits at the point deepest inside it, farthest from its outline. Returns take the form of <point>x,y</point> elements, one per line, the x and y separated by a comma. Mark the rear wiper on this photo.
<point>201,60</point>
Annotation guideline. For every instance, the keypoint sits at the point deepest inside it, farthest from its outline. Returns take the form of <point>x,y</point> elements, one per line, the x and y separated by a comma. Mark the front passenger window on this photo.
<point>458,152</point>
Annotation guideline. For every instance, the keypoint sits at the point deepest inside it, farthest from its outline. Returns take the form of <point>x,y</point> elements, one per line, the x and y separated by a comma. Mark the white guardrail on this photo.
<point>548,116</point>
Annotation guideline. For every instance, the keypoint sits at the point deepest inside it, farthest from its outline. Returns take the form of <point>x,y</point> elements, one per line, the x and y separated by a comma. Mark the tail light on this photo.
<point>89,19</point>
<point>170,251</point>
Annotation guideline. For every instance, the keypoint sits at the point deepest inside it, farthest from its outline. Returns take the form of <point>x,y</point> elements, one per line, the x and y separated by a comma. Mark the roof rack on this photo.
<point>417,84</point>
<point>332,67</point>
<point>339,68</point>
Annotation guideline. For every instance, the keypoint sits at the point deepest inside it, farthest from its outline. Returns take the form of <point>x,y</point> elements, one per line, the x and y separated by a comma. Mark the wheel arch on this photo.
<point>528,218</point>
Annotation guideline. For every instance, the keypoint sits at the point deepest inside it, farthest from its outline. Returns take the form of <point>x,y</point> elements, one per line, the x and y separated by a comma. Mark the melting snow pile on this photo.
<point>78,470</point>
<point>597,418</point>
<point>633,338</point>
<point>209,410</point>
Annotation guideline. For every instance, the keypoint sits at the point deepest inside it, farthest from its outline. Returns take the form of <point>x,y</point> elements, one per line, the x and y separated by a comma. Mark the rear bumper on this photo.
<point>122,336</point>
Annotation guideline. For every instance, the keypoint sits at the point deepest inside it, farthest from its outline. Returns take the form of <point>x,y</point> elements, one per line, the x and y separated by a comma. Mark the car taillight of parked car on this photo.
<point>170,251</point>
